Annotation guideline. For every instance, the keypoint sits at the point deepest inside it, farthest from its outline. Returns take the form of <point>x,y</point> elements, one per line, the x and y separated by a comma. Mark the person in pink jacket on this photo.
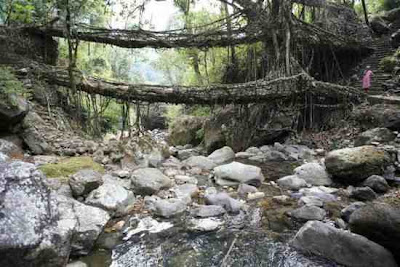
<point>366,81</point>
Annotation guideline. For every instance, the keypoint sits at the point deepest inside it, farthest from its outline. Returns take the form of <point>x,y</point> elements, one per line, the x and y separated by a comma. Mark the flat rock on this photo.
<point>223,200</point>
<point>236,173</point>
<point>204,225</point>
<point>244,189</point>
<point>201,162</point>
<point>208,211</point>
<point>292,182</point>
<point>168,208</point>
<point>308,213</point>
<point>341,246</point>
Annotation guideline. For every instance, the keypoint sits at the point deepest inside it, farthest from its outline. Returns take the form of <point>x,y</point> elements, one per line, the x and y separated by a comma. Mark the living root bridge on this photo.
<point>260,91</point>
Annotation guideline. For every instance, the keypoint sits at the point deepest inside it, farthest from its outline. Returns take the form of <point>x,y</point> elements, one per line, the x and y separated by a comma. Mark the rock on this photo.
<point>91,222</point>
<point>308,213</point>
<point>378,25</point>
<point>395,38</point>
<point>32,137</point>
<point>341,246</point>
<point>236,173</point>
<point>380,135</point>
<point>183,179</point>
<point>253,151</point>
<point>77,264</point>
<point>187,153</point>
<point>201,162</point>
<point>244,189</point>
<point>147,224</point>
<point>155,159</point>
<point>313,173</point>
<point>8,148</point>
<point>125,183</point>
<point>319,192</point>
<point>208,211</point>
<point>363,193</point>
<point>379,222</point>
<point>35,228</point>
<point>210,191</point>
<point>204,225</point>
<point>275,156</point>
<point>339,223</point>
<point>223,200</point>
<point>292,182</point>
<point>255,195</point>
<point>168,208</point>
<point>346,212</point>
<point>186,191</point>
<point>84,181</point>
<point>12,111</point>
<point>148,181</point>
<point>377,183</point>
<point>184,130</point>
<point>311,201</point>
<point>352,165</point>
<point>111,197</point>
<point>222,155</point>
<point>243,155</point>
<point>3,157</point>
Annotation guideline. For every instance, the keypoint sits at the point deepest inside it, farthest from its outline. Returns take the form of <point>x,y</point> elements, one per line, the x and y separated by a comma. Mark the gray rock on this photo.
<point>292,182</point>
<point>236,173</point>
<point>77,264</point>
<point>201,162</point>
<point>183,179</point>
<point>275,156</point>
<point>208,211</point>
<point>378,25</point>
<point>91,222</point>
<point>380,135</point>
<point>258,158</point>
<point>155,159</point>
<point>168,208</point>
<point>112,198</point>
<point>187,153</point>
<point>308,213</point>
<point>223,200</point>
<point>125,183</point>
<point>204,225</point>
<point>7,148</point>
<point>311,201</point>
<point>321,192</point>
<point>84,181</point>
<point>313,173</point>
<point>244,189</point>
<point>353,165</point>
<point>148,181</point>
<point>340,223</point>
<point>12,111</point>
<point>253,150</point>
<point>363,193</point>
<point>377,183</point>
<point>35,229</point>
<point>222,155</point>
<point>346,212</point>
<point>379,222</point>
<point>341,246</point>
<point>243,155</point>
<point>3,157</point>
<point>185,191</point>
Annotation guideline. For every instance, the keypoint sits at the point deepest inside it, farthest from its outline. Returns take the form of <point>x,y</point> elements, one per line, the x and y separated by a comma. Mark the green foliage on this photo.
<point>387,64</point>
<point>173,111</point>
<point>10,85</point>
<point>70,166</point>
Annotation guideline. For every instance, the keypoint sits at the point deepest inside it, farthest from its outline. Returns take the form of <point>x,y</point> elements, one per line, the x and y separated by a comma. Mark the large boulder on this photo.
<point>313,173</point>
<point>236,173</point>
<point>380,135</point>
<point>379,222</point>
<point>222,155</point>
<point>352,165</point>
<point>91,222</point>
<point>111,197</point>
<point>341,246</point>
<point>12,110</point>
<point>185,130</point>
<point>85,181</point>
<point>35,230</point>
<point>148,181</point>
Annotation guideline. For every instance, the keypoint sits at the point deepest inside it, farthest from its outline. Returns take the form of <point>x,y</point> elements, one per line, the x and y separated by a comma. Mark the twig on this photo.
<point>223,264</point>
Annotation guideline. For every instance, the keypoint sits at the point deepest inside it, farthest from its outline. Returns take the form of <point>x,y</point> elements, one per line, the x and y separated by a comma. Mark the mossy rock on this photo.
<point>186,130</point>
<point>70,166</point>
<point>387,64</point>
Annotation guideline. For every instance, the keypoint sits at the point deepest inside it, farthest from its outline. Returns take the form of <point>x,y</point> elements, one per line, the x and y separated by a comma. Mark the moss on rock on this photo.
<point>70,166</point>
